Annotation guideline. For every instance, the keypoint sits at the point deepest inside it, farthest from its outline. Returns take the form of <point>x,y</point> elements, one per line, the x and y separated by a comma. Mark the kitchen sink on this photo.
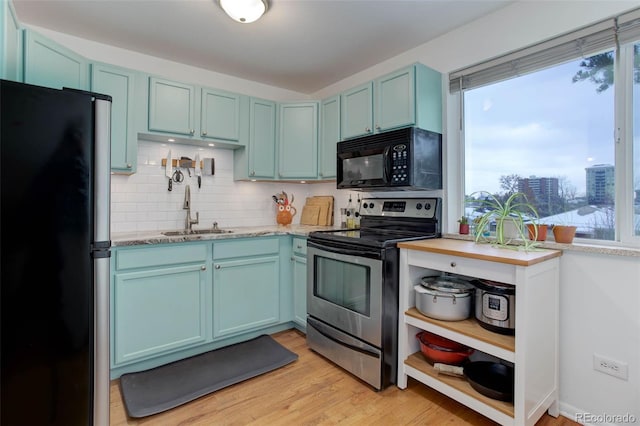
<point>196,232</point>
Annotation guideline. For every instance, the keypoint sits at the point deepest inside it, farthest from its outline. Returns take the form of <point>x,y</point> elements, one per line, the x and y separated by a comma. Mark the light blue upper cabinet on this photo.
<point>120,84</point>
<point>46,63</point>
<point>329,137</point>
<point>171,107</point>
<point>10,43</point>
<point>411,96</point>
<point>194,114</point>
<point>220,115</point>
<point>428,98</point>
<point>262,139</point>
<point>395,100</point>
<point>298,143</point>
<point>357,111</point>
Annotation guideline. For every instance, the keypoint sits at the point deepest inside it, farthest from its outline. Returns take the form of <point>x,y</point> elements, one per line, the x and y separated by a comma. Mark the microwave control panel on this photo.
<point>400,164</point>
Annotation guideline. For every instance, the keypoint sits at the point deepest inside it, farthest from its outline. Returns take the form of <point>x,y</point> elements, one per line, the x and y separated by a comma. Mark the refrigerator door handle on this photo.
<point>101,253</point>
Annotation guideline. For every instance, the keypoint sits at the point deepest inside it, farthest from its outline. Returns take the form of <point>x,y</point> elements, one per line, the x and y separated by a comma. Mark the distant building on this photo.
<point>600,184</point>
<point>542,188</point>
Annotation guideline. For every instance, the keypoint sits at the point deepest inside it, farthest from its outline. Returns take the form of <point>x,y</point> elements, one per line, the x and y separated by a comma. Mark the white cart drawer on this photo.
<point>476,268</point>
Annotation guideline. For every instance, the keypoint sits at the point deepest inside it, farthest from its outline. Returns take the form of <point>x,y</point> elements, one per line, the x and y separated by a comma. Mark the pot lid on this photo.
<point>495,286</point>
<point>447,284</point>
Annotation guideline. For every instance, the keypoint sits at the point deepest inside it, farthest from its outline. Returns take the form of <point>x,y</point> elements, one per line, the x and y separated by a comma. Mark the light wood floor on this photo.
<point>313,391</point>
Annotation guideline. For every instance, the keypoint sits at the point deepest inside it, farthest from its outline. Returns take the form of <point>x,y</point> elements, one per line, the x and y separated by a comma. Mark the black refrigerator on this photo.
<point>54,248</point>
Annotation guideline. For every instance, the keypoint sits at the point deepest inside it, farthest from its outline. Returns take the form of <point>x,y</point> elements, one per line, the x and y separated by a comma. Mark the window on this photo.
<point>556,121</point>
<point>549,135</point>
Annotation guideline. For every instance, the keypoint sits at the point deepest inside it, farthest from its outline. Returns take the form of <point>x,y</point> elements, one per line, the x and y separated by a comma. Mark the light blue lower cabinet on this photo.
<point>299,282</point>
<point>300,291</point>
<point>246,294</point>
<point>158,310</point>
<point>172,301</point>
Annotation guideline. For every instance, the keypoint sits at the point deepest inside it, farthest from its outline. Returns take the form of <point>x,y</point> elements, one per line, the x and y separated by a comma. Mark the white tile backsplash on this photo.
<point>141,201</point>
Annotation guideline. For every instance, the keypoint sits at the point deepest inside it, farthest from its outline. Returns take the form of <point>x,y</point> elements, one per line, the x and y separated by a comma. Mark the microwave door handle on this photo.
<point>386,171</point>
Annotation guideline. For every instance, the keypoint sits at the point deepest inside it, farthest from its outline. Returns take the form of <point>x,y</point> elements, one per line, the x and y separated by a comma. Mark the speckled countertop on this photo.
<point>120,239</point>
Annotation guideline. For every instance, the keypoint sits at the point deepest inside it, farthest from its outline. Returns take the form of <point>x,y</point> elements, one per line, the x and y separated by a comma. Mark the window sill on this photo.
<point>579,247</point>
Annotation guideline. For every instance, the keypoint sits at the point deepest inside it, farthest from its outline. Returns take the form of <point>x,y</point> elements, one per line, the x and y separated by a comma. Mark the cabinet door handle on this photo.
<point>203,267</point>
<point>253,173</point>
<point>377,127</point>
<point>204,133</point>
<point>217,266</point>
<point>368,130</point>
<point>129,166</point>
<point>453,264</point>
<point>192,132</point>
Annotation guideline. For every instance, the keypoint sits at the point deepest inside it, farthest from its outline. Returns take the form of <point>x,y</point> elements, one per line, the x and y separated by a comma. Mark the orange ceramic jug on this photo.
<point>285,214</point>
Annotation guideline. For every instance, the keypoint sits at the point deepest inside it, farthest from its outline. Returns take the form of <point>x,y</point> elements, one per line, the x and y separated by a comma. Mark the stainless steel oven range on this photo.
<point>352,285</point>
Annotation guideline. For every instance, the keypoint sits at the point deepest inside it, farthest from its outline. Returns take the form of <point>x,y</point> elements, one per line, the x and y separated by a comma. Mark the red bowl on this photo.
<point>439,349</point>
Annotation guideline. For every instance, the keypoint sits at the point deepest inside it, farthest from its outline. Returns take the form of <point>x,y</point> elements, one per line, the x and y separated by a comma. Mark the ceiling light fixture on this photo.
<point>244,11</point>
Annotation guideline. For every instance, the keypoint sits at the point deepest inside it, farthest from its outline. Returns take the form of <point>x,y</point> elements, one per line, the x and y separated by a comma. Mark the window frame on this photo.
<point>624,233</point>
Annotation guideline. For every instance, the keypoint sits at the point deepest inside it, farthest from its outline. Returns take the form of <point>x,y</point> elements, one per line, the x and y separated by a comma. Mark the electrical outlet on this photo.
<point>611,367</point>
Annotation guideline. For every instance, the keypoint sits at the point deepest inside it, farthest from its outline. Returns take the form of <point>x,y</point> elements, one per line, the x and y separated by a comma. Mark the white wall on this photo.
<point>599,313</point>
<point>600,294</point>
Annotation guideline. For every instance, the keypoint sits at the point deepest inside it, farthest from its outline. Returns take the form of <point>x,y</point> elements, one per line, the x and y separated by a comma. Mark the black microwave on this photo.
<point>397,160</point>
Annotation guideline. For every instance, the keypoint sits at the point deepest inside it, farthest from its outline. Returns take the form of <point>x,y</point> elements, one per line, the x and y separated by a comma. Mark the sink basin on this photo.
<point>196,232</point>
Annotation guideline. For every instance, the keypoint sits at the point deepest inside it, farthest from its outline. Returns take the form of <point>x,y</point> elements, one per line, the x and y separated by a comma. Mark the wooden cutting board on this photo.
<point>310,215</point>
<point>326,208</point>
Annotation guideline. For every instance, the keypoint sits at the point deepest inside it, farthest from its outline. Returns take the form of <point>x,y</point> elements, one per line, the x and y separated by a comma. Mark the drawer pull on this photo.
<point>217,266</point>
<point>203,267</point>
<point>453,264</point>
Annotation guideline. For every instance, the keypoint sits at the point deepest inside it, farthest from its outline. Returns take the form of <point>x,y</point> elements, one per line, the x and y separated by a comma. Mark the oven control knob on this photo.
<point>427,206</point>
<point>365,205</point>
<point>419,206</point>
<point>370,205</point>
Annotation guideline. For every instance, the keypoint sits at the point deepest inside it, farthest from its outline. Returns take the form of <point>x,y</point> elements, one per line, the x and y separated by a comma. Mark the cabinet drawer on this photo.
<point>244,248</point>
<point>160,256</point>
<point>299,246</point>
<point>494,271</point>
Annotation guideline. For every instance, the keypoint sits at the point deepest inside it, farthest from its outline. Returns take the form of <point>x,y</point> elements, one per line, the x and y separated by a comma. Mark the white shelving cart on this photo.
<point>533,350</point>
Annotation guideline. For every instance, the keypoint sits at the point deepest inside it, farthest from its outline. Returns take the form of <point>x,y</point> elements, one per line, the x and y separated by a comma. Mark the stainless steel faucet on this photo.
<point>187,206</point>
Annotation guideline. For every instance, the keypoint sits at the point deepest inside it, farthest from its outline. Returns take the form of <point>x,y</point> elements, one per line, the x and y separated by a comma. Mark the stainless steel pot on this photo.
<point>495,306</point>
<point>444,298</point>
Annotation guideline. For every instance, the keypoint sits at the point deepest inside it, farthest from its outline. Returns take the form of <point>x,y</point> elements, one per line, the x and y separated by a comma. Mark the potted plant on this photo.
<point>464,225</point>
<point>537,231</point>
<point>510,213</point>
<point>564,233</point>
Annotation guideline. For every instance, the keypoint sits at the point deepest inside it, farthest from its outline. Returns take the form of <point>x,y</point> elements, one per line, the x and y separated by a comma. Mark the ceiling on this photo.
<point>300,45</point>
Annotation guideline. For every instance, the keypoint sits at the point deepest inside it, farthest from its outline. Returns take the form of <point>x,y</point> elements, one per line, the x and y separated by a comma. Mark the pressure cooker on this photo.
<point>495,306</point>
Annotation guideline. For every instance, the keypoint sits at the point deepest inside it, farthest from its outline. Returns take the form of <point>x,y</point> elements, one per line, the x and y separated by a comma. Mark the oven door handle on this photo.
<point>353,344</point>
<point>344,250</point>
